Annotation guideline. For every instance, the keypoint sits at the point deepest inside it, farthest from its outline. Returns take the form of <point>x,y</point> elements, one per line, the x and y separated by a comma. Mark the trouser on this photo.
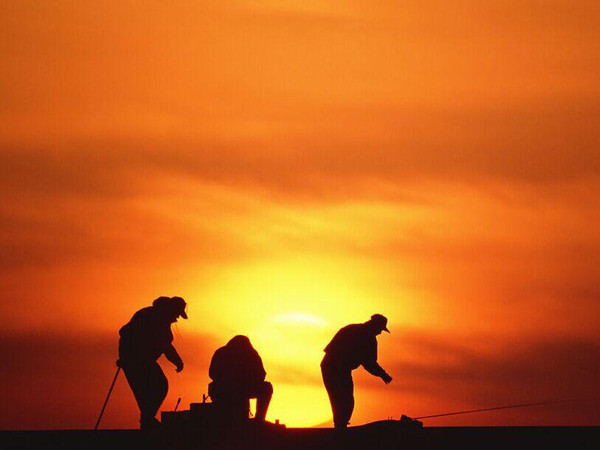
<point>149,386</point>
<point>340,389</point>
<point>233,400</point>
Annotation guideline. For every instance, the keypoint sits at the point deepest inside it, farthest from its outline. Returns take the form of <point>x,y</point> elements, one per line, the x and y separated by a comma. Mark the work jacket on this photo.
<point>231,366</point>
<point>146,337</point>
<point>352,346</point>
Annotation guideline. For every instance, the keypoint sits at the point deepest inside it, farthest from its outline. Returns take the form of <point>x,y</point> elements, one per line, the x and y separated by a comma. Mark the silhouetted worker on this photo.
<point>238,375</point>
<point>352,346</point>
<point>143,340</point>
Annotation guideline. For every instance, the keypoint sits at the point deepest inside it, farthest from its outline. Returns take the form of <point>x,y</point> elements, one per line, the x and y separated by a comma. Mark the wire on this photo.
<point>177,333</point>
<point>522,405</point>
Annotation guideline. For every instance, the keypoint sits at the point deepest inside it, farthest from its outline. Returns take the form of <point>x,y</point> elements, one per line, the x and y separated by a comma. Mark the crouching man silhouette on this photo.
<point>238,375</point>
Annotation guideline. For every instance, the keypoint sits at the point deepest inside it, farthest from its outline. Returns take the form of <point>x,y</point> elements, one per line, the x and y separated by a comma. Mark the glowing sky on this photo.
<point>289,167</point>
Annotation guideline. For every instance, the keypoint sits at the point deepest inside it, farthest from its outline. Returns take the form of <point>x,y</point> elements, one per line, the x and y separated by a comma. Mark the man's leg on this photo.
<point>135,376</point>
<point>346,399</point>
<point>263,395</point>
<point>330,386</point>
<point>158,386</point>
<point>231,403</point>
<point>149,386</point>
<point>339,387</point>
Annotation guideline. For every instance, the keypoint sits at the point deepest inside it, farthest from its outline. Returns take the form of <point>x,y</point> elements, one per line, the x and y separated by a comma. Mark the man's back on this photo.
<point>238,375</point>
<point>352,346</point>
<point>236,366</point>
<point>145,337</point>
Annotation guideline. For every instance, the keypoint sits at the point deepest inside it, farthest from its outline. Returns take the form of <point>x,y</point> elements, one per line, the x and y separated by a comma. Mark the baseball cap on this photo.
<point>380,321</point>
<point>177,303</point>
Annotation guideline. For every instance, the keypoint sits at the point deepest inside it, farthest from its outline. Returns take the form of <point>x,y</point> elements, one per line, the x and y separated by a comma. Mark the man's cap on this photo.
<point>181,304</point>
<point>176,303</point>
<point>380,321</point>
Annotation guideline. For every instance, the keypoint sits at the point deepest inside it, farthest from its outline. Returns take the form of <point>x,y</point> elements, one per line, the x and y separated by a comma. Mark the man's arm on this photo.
<point>370,364</point>
<point>259,369</point>
<point>172,355</point>
<point>375,369</point>
<point>214,368</point>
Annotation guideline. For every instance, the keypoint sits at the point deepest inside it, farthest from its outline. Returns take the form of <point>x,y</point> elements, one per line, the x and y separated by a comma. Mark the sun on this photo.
<point>291,345</point>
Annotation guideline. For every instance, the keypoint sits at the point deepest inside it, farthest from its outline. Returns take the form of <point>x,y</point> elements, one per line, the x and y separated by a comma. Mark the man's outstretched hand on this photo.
<point>386,378</point>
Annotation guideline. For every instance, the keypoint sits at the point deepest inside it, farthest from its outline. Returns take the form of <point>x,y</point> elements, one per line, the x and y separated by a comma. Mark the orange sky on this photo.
<point>290,167</point>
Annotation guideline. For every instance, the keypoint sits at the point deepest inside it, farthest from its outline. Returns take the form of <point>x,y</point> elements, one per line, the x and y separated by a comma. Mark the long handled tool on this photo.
<point>112,385</point>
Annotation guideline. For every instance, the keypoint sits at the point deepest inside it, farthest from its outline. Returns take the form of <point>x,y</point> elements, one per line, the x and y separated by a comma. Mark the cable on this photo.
<point>522,405</point>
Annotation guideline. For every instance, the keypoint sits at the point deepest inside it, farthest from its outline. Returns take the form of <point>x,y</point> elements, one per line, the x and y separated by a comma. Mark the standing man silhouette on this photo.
<point>352,346</point>
<point>142,341</point>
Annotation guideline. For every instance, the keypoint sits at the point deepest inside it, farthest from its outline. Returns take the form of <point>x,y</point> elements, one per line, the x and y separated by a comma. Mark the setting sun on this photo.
<point>292,344</point>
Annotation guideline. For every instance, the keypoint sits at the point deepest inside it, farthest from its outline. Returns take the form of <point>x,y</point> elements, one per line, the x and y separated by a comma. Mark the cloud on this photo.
<point>411,94</point>
<point>334,155</point>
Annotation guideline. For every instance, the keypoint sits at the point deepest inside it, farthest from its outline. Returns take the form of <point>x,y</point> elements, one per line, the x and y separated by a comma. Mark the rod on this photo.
<point>112,385</point>
<point>521,405</point>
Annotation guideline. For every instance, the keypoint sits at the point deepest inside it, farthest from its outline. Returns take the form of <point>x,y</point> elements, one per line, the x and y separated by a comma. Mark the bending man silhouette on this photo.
<point>143,340</point>
<point>352,346</point>
<point>238,375</point>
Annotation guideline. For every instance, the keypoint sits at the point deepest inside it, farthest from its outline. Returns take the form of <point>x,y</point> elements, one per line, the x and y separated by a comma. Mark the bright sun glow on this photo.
<point>300,405</point>
<point>290,309</point>
<point>292,347</point>
<point>308,291</point>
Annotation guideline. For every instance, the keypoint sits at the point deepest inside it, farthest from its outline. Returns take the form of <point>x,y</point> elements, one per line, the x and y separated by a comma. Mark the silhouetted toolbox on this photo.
<point>199,413</point>
<point>202,412</point>
<point>175,418</point>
